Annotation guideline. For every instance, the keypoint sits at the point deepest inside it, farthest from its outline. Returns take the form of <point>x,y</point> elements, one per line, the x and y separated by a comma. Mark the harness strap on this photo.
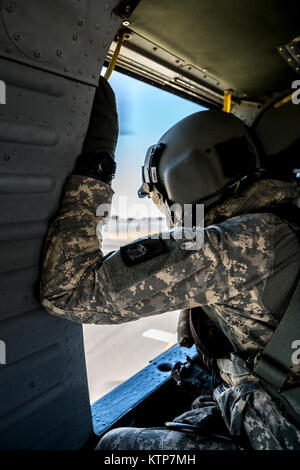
<point>276,358</point>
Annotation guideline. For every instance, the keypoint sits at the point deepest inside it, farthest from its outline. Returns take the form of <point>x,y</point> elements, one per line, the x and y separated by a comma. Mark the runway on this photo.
<point>116,352</point>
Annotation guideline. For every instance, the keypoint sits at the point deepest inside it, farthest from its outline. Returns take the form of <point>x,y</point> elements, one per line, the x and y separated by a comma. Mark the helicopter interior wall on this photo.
<point>278,127</point>
<point>48,75</point>
<point>234,41</point>
<point>278,135</point>
<point>44,401</point>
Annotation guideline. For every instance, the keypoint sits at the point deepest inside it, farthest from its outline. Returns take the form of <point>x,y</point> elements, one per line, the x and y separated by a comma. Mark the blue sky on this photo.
<point>145,114</point>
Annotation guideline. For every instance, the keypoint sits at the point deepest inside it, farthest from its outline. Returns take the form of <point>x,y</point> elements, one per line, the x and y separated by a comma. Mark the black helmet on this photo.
<point>199,160</point>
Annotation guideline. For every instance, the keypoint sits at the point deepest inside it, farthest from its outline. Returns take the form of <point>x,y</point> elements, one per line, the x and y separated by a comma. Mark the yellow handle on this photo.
<point>227,101</point>
<point>114,58</point>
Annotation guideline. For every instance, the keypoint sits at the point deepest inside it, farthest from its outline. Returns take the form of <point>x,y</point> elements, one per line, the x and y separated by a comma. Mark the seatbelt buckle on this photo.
<point>190,375</point>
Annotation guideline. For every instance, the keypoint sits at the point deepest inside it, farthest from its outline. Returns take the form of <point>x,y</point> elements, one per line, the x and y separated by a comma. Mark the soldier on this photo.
<point>236,283</point>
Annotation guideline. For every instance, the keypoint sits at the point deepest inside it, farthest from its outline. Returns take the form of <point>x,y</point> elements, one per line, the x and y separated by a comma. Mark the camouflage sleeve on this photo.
<point>77,284</point>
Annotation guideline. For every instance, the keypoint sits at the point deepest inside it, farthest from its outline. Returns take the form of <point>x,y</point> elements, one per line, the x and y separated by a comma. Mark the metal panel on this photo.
<point>68,37</point>
<point>44,400</point>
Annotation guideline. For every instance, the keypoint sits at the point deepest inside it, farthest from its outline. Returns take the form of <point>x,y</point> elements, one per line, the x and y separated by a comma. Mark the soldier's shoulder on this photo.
<point>248,231</point>
<point>251,222</point>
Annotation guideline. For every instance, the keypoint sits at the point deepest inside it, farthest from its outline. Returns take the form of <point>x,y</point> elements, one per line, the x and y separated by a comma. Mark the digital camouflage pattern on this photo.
<point>251,417</point>
<point>159,439</point>
<point>228,273</point>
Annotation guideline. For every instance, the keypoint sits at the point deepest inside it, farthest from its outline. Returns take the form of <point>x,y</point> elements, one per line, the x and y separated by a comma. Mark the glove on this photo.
<point>102,133</point>
<point>97,158</point>
<point>184,335</point>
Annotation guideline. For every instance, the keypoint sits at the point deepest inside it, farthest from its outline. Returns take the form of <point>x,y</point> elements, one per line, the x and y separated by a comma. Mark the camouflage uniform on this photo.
<point>227,274</point>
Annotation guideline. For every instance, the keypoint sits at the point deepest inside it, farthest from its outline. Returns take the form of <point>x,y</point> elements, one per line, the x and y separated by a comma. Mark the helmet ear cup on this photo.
<point>237,157</point>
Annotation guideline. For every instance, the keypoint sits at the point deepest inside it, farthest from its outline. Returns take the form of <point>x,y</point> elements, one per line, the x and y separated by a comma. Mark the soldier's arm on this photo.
<point>78,284</point>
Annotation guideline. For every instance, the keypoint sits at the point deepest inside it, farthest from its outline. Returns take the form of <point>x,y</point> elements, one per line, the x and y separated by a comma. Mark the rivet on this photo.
<point>298,55</point>
<point>75,37</point>
<point>80,22</point>
<point>281,49</point>
<point>86,53</point>
<point>106,6</point>
<point>6,157</point>
<point>9,7</point>
<point>37,54</point>
<point>97,26</point>
<point>59,52</point>
<point>126,23</point>
<point>297,68</point>
<point>289,59</point>
<point>94,76</point>
<point>292,47</point>
<point>7,49</point>
<point>91,40</point>
<point>127,9</point>
<point>17,36</point>
<point>66,69</point>
<point>80,71</point>
<point>127,36</point>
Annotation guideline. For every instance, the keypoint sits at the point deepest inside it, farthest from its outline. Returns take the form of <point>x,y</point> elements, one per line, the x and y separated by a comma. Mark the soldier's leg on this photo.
<point>250,411</point>
<point>267,427</point>
<point>158,439</point>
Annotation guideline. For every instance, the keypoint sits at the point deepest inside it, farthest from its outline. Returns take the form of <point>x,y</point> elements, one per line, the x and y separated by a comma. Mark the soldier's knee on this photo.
<point>120,438</point>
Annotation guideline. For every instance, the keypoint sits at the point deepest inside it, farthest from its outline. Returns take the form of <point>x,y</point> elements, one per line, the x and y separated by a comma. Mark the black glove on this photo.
<point>102,133</point>
<point>184,335</point>
<point>100,142</point>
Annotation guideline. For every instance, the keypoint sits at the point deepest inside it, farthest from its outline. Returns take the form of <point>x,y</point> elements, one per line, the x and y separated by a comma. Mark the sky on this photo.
<point>145,114</point>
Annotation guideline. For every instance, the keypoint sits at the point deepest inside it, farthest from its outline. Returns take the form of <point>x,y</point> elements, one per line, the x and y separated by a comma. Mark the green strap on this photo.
<point>273,367</point>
